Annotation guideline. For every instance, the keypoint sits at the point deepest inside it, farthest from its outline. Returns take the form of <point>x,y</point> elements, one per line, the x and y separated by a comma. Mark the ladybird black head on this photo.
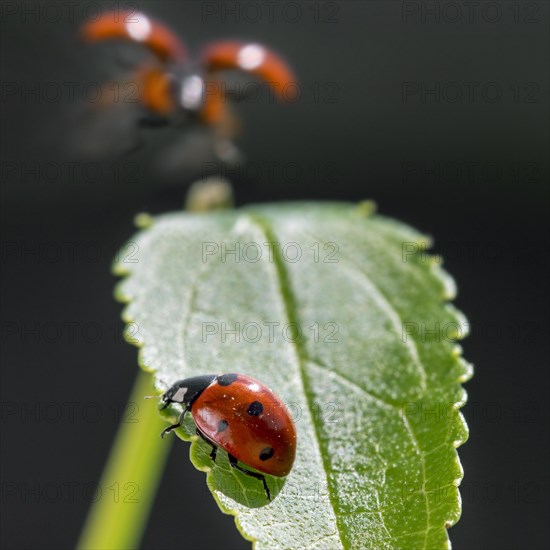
<point>226,379</point>
<point>176,394</point>
<point>266,453</point>
<point>186,391</point>
<point>255,408</point>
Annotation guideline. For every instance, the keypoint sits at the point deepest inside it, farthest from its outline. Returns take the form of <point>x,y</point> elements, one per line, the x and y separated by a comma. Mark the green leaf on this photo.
<point>373,380</point>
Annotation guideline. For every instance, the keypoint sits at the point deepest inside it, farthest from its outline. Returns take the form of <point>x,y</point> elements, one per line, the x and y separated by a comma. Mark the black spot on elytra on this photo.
<point>255,408</point>
<point>267,453</point>
<point>222,425</point>
<point>226,379</point>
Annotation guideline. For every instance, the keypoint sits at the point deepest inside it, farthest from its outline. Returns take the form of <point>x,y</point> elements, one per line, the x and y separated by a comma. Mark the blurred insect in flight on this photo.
<point>171,89</point>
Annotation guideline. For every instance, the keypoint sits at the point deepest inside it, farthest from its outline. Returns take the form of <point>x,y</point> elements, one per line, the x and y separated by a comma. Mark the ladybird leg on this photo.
<point>214,447</point>
<point>174,426</point>
<point>234,464</point>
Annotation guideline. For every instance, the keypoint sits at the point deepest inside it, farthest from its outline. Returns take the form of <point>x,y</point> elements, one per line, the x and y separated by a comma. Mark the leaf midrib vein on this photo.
<point>415,356</point>
<point>289,308</point>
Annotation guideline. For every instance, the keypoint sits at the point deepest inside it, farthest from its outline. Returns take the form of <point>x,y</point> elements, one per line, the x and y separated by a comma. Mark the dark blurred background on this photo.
<point>436,110</point>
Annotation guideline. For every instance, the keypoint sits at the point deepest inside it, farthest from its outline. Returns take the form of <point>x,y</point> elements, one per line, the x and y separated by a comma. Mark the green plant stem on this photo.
<point>130,479</point>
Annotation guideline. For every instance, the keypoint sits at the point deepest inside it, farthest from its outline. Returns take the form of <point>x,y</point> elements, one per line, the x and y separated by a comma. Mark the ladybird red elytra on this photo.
<point>243,417</point>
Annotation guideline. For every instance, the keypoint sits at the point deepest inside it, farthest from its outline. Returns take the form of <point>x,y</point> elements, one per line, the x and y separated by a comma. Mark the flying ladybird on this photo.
<point>174,84</point>
<point>243,417</point>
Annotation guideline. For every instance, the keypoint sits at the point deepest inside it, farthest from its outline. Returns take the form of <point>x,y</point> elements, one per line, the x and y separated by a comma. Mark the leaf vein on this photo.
<point>386,306</point>
<point>289,307</point>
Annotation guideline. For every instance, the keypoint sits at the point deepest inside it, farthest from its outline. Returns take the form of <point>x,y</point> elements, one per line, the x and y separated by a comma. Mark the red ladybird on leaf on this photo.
<point>243,417</point>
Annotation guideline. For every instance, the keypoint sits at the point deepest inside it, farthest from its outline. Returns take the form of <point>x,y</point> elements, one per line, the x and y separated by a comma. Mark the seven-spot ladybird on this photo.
<point>175,85</point>
<point>243,417</point>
